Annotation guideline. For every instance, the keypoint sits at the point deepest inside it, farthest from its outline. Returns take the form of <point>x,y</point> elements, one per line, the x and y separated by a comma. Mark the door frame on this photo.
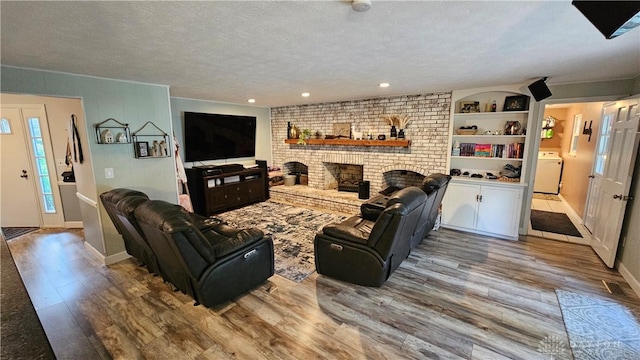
<point>46,219</point>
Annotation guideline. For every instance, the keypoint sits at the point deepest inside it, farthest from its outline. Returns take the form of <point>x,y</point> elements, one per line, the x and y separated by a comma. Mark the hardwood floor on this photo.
<point>457,296</point>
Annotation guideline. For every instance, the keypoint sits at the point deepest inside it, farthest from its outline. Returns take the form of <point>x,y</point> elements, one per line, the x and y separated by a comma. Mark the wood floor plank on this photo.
<point>457,296</point>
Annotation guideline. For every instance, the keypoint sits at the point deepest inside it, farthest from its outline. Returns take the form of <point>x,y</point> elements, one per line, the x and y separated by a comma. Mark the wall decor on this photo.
<point>516,103</point>
<point>469,106</point>
<point>112,131</point>
<point>142,149</point>
<point>158,138</point>
<point>342,130</point>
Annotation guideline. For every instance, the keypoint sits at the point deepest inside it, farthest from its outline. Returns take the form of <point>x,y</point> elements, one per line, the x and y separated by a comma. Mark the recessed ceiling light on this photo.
<point>384,85</point>
<point>305,94</point>
<point>251,100</point>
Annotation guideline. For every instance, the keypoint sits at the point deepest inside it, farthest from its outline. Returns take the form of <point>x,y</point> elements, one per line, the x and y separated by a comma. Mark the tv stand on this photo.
<point>214,192</point>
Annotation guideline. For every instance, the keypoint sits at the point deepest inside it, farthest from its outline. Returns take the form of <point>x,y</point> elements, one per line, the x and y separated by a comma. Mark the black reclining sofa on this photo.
<point>365,249</point>
<point>212,262</point>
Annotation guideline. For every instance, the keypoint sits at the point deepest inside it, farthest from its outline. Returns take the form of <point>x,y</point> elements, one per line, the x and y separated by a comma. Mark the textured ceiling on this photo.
<point>275,50</point>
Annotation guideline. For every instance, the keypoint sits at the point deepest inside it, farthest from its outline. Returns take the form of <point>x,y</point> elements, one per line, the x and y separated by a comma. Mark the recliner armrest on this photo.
<point>225,239</point>
<point>372,208</point>
<point>345,232</point>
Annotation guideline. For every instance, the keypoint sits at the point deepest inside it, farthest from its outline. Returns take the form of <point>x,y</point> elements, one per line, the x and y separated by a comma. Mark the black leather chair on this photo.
<point>365,249</point>
<point>213,263</point>
<point>120,204</point>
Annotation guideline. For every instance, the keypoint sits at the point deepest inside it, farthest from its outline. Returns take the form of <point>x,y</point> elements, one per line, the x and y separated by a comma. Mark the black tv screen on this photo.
<point>218,136</point>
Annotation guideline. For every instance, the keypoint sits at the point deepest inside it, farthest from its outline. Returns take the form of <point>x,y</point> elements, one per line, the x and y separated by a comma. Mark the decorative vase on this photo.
<point>294,132</point>
<point>401,134</point>
<point>394,132</point>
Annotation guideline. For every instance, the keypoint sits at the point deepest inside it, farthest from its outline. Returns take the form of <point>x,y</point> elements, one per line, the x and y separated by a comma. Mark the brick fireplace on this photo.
<point>382,166</point>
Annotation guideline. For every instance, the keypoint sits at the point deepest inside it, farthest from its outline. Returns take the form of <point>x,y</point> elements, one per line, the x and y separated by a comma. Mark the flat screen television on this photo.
<point>218,136</point>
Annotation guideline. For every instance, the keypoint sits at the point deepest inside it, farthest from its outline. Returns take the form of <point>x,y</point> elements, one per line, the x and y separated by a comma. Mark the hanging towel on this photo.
<point>77,145</point>
<point>182,175</point>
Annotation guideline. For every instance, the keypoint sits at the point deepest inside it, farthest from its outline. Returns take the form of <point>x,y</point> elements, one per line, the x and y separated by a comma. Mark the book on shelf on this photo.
<point>482,150</point>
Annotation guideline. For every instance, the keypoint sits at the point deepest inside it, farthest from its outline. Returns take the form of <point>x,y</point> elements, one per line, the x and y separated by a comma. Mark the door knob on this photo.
<point>591,176</point>
<point>618,197</point>
<point>24,174</point>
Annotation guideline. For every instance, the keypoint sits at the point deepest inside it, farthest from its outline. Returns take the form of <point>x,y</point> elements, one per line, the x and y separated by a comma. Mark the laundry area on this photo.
<point>548,173</point>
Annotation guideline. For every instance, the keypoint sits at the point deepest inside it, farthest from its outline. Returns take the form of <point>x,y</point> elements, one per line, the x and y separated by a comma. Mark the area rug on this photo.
<point>599,328</point>
<point>21,333</point>
<point>292,230</point>
<point>558,223</point>
<point>14,232</point>
<point>551,197</point>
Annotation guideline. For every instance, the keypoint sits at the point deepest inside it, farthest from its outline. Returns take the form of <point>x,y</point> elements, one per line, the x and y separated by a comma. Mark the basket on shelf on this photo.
<point>466,131</point>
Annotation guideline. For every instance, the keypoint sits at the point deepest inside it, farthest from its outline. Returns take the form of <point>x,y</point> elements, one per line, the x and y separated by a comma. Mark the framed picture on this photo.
<point>469,106</point>
<point>142,149</point>
<point>342,130</point>
<point>516,103</point>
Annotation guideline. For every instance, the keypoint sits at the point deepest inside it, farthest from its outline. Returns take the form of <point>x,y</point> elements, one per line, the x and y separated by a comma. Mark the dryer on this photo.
<point>548,172</point>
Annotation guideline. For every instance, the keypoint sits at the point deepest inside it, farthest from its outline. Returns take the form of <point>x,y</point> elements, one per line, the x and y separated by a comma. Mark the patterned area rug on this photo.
<point>14,232</point>
<point>599,328</point>
<point>292,230</point>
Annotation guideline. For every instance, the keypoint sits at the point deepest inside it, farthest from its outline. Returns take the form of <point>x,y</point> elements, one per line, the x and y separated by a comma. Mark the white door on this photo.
<point>621,148</point>
<point>602,147</point>
<point>18,201</point>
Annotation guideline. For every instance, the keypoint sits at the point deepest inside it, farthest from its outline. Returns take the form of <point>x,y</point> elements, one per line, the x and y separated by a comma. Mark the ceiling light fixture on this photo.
<point>305,94</point>
<point>251,100</point>
<point>361,5</point>
<point>384,85</point>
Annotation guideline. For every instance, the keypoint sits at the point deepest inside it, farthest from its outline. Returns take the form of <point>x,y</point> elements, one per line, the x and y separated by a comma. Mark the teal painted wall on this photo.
<point>128,102</point>
<point>263,124</point>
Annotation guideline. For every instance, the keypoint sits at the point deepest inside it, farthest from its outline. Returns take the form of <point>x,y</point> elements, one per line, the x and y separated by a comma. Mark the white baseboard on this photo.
<point>633,282</point>
<point>106,260</point>
<point>73,224</point>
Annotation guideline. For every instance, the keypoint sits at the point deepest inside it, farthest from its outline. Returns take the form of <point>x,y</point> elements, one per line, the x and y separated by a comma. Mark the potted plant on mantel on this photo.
<point>401,121</point>
<point>304,136</point>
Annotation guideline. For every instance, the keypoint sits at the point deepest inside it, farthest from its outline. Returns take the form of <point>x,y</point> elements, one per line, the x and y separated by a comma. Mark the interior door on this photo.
<point>620,147</point>
<point>18,201</point>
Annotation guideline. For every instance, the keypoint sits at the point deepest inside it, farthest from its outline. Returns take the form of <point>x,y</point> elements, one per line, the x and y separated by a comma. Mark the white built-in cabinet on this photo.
<point>482,205</point>
<point>482,208</point>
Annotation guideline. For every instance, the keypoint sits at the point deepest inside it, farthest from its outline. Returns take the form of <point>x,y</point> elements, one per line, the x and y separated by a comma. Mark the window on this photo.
<point>577,120</point>
<point>603,144</point>
<point>41,163</point>
<point>5,126</point>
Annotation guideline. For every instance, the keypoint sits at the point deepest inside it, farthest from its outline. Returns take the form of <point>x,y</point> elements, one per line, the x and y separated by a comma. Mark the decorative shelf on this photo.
<point>112,131</point>
<point>494,113</point>
<point>352,142</point>
<point>151,146</point>
<point>491,136</point>
<point>485,158</point>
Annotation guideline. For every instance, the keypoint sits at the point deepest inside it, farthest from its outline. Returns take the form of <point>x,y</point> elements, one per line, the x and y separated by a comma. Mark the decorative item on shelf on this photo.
<point>288,129</point>
<point>342,130</point>
<point>107,136</point>
<point>122,138</point>
<point>394,133</point>
<point>467,130</point>
<point>469,107</point>
<point>512,127</point>
<point>493,106</point>
<point>142,149</point>
<point>401,121</point>
<point>294,133</point>
<point>516,103</point>
<point>318,135</point>
<point>304,136</point>
<point>382,137</point>
<point>357,135</point>
<point>401,134</point>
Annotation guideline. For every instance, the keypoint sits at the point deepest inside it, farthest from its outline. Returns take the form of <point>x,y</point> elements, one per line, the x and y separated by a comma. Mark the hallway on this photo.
<point>558,205</point>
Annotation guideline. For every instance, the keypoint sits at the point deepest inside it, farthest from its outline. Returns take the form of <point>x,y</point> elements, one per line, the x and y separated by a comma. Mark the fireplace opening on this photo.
<point>300,170</point>
<point>349,176</point>
<point>398,179</point>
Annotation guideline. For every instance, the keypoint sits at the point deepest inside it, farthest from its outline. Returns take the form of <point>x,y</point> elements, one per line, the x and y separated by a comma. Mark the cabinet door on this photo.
<point>255,190</point>
<point>499,210</point>
<point>459,206</point>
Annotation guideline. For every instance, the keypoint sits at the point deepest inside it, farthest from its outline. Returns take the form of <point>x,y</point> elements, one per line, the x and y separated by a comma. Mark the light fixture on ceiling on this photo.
<point>384,85</point>
<point>361,5</point>
<point>305,94</point>
<point>539,89</point>
<point>251,100</point>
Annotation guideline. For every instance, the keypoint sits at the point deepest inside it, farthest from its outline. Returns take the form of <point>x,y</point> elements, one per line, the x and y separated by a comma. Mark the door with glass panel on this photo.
<point>29,194</point>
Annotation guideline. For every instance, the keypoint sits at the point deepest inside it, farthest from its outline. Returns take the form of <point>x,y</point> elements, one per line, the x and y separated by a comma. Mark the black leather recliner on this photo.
<point>365,249</point>
<point>212,263</point>
<point>434,185</point>
<point>120,204</point>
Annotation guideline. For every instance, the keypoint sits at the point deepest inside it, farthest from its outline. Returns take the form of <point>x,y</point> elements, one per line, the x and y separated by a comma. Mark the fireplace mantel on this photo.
<point>351,142</point>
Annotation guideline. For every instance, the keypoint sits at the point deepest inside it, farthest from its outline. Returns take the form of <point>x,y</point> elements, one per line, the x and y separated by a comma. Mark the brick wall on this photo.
<point>428,132</point>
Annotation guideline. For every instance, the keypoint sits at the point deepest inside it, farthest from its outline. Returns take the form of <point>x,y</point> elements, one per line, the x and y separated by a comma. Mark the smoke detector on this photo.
<point>361,5</point>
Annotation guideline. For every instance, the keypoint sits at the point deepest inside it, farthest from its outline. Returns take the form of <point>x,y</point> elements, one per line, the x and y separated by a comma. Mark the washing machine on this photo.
<point>548,172</point>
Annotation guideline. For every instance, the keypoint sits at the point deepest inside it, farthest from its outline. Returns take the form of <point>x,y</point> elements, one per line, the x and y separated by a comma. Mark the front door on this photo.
<point>619,139</point>
<point>18,202</point>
